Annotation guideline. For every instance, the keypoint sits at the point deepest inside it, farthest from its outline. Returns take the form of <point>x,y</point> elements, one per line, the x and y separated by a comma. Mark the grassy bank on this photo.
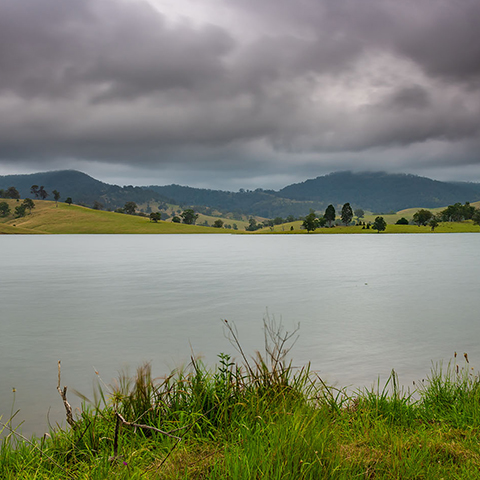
<point>260,419</point>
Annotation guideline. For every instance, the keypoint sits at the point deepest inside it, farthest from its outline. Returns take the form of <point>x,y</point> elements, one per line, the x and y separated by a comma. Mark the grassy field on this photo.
<point>49,218</point>
<point>73,219</point>
<point>258,419</point>
<point>446,227</point>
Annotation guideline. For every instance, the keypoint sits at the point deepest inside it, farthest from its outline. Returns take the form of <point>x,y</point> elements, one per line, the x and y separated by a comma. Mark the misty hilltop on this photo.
<point>374,191</point>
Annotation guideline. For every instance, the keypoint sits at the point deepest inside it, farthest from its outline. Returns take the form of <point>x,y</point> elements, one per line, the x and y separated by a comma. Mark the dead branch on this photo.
<point>68,407</point>
<point>147,427</point>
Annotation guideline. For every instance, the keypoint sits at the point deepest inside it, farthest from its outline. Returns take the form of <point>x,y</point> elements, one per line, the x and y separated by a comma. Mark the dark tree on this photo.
<point>218,223</point>
<point>347,214</point>
<point>422,217</point>
<point>56,196</point>
<point>34,190</point>
<point>402,221</point>
<point>468,211</point>
<point>476,216</point>
<point>97,205</point>
<point>311,222</point>
<point>4,209</point>
<point>434,222</point>
<point>155,217</point>
<point>278,220</point>
<point>12,193</point>
<point>379,224</point>
<point>176,219</point>
<point>330,215</point>
<point>69,200</point>
<point>130,208</point>
<point>189,216</point>
<point>20,211</point>
<point>28,204</point>
<point>43,193</point>
<point>252,225</point>
<point>458,212</point>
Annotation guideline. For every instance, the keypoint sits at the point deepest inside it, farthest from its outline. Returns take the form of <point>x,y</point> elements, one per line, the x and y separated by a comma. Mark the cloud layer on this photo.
<point>240,93</point>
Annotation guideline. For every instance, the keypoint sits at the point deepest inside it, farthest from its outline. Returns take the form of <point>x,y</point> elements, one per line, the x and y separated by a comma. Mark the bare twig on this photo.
<point>232,335</point>
<point>147,427</point>
<point>68,407</point>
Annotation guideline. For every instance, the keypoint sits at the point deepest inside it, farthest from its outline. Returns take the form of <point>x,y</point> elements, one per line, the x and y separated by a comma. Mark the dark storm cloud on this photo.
<point>262,88</point>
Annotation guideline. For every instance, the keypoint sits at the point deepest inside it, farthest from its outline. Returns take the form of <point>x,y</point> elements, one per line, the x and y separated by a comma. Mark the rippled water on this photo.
<point>365,303</point>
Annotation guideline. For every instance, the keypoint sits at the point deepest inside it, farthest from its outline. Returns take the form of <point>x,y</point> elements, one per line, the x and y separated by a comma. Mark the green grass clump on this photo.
<point>260,418</point>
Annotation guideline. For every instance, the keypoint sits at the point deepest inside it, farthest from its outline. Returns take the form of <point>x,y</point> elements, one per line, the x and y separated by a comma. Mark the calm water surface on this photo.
<point>365,303</point>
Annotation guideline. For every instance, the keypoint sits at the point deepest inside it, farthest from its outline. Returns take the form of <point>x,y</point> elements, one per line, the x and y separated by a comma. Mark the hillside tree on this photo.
<point>34,190</point>
<point>434,222</point>
<point>129,208</point>
<point>155,216</point>
<point>56,196</point>
<point>422,217</point>
<point>347,214</point>
<point>311,223</point>
<point>379,224</point>
<point>218,223</point>
<point>476,216</point>
<point>20,211</point>
<point>69,200</point>
<point>189,216</point>
<point>42,192</point>
<point>28,203</point>
<point>329,215</point>
<point>4,209</point>
<point>12,193</point>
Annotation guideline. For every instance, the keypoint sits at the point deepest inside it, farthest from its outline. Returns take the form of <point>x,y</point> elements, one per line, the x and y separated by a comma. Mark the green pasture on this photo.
<point>445,227</point>
<point>47,217</point>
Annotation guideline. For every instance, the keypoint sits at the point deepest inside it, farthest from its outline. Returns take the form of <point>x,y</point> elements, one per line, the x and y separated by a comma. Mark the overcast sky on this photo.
<point>240,93</point>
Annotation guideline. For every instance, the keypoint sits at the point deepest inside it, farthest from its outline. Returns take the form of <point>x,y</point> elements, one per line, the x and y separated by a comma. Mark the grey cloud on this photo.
<point>119,49</point>
<point>409,97</point>
<point>119,82</point>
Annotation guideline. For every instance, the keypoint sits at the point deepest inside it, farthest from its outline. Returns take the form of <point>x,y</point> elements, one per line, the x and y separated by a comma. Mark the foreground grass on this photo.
<point>261,419</point>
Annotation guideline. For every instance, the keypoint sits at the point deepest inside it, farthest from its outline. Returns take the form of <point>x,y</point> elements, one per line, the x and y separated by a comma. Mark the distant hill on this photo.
<point>381,192</point>
<point>377,192</point>
<point>264,203</point>
<point>83,189</point>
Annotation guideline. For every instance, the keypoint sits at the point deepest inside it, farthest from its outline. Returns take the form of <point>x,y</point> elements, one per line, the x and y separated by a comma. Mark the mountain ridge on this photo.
<point>374,191</point>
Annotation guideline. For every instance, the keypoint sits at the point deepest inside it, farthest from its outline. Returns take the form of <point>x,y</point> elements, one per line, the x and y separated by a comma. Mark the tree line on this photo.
<point>453,213</point>
<point>28,204</point>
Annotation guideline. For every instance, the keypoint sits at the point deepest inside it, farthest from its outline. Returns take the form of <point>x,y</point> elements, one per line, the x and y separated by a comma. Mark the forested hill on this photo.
<point>381,192</point>
<point>264,203</point>
<point>82,188</point>
<point>377,192</point>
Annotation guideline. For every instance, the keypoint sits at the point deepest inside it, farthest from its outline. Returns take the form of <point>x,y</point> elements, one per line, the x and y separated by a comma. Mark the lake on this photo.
<point>365,303</point>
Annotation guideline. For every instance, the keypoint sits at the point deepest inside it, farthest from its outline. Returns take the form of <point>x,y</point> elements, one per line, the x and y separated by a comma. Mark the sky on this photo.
<point>231,94</point>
